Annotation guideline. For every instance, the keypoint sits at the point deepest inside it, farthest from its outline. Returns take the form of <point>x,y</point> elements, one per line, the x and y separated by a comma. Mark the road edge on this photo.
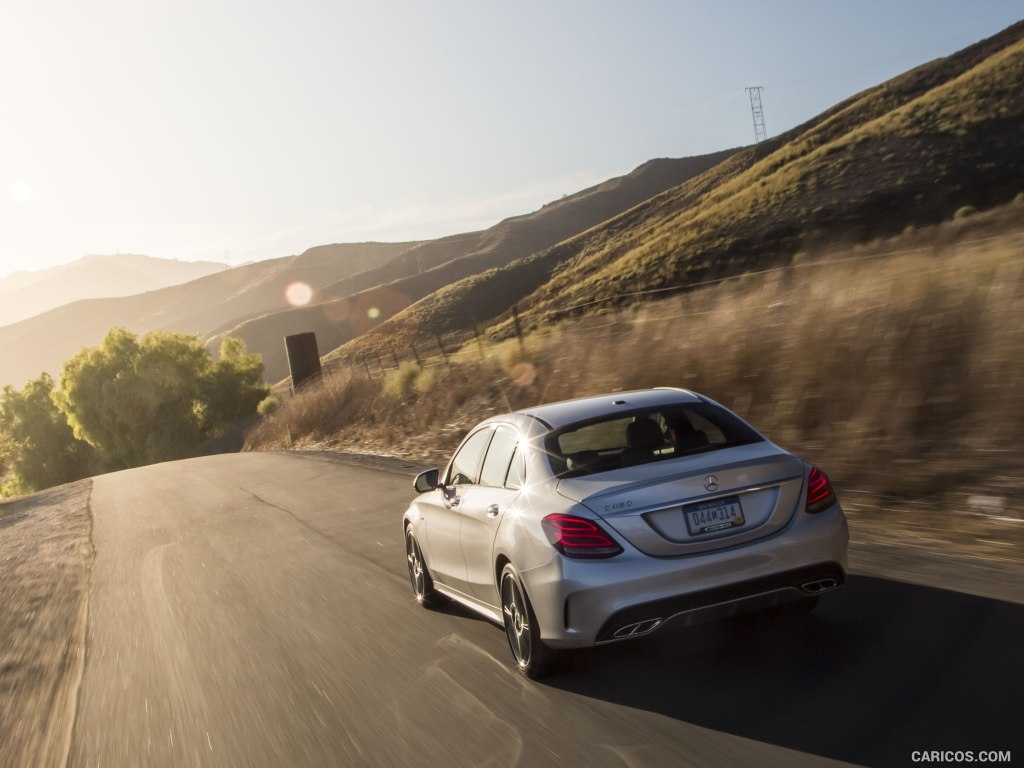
<point>78,645</point>
<point>392,464</point>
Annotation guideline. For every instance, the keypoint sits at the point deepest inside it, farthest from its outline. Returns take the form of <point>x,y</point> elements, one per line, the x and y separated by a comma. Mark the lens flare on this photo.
<point>298,294</point>
<point>524,374</point>
<point>20,192</point>
<point>373,313</point>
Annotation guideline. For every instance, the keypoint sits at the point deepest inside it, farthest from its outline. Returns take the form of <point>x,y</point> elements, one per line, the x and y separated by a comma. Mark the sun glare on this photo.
<point>20,192</point>
<point>298,294</point>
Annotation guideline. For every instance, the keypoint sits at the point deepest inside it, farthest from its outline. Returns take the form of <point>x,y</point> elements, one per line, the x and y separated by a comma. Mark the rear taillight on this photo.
<point>820,495</point>
<point>579,537</point>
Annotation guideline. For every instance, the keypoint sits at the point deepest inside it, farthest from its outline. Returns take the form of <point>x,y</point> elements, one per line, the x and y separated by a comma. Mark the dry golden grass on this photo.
<point>902,373</point>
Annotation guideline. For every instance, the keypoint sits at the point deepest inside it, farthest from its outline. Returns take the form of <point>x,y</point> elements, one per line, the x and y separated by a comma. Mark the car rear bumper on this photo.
<point>580,603</point>
<point>722,602</point>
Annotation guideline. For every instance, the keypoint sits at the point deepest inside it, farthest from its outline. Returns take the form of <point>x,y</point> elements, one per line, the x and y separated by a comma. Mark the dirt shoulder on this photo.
<point>45,562</point>
<point>948,546</point>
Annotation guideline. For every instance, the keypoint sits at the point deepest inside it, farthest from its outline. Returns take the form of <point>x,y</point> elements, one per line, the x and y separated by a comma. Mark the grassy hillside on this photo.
<point>374,296</point>
<point>333,316</point>
<point>903,379</point>
<point>910,152</point>
<point>412,261</point>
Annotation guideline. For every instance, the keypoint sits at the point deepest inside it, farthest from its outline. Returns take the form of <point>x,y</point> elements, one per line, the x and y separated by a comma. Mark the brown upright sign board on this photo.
<point>303,359</point>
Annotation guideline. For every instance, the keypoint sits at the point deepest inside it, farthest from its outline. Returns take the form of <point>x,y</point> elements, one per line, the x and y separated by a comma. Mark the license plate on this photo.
<point>716,515</point>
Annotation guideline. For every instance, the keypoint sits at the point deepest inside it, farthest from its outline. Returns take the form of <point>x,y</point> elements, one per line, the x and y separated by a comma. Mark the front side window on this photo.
<point>499,456</point>
<point>465,467</point>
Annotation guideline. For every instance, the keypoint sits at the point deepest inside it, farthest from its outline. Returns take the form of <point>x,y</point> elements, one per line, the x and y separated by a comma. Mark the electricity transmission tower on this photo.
<point>760,133</point>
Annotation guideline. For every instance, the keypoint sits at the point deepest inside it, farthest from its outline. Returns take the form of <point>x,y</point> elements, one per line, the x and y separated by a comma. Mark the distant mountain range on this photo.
<point>355,286</point>
<point>909,152</point>
<point>24,294</point>
<point>201,306</point>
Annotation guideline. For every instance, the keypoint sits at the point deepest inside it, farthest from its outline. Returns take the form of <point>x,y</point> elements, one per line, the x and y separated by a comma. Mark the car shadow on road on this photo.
<point>451,608</point>
<point>880,670</point>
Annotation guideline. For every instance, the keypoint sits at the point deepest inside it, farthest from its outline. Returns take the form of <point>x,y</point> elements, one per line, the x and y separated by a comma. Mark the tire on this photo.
<point>532,657</point>
<point>419,576</point>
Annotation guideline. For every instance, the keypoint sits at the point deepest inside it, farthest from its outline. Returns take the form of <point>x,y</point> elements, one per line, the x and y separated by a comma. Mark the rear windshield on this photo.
<point>641,437</point>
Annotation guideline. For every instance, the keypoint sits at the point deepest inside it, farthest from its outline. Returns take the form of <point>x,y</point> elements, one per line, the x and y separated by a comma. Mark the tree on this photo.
<point>40,448</point>
<point>155,399</point>
<point>6,452</point>
<point>231,388</point>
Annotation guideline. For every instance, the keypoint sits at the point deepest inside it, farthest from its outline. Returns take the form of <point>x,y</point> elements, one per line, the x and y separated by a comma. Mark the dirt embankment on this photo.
<point>45,562</point>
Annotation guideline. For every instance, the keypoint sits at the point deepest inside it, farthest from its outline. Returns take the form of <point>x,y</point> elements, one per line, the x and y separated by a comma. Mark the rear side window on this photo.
<point>499,456</point>
<point>640,437</point>
<point>465,466</point>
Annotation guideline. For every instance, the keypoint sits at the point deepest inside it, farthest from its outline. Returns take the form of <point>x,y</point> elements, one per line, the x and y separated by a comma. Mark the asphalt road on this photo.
<point>254,610</point>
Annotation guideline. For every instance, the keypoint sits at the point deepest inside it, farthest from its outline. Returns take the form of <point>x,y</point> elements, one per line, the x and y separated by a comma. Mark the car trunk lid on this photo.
<point>696,503</point>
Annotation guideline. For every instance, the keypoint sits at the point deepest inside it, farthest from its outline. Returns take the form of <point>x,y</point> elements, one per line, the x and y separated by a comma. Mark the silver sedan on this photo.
<point>600,519</point>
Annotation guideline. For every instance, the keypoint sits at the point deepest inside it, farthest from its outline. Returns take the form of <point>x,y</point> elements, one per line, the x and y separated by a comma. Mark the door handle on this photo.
<point>492,511</point>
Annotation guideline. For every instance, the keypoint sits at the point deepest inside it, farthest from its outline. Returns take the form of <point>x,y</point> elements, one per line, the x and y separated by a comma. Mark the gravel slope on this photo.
<point>46,558</point>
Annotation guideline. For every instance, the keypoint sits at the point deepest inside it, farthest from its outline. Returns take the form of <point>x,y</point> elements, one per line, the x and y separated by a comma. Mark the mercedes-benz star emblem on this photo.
<point>711,483</point>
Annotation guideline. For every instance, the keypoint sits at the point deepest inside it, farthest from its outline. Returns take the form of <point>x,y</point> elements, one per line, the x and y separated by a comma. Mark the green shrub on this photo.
<point>401,382</point>
<point>156,398</point>
<point>428,378</point>
<point>269,404</point>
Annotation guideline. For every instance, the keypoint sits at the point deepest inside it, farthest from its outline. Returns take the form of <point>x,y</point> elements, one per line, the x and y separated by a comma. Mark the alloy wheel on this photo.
<point>417,573</point>
<point>517,620</point>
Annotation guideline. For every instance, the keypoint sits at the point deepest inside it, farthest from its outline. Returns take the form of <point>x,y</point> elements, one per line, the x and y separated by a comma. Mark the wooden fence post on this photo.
<point>479,343</point>
<point>444,352</point>
<point>515,321</point>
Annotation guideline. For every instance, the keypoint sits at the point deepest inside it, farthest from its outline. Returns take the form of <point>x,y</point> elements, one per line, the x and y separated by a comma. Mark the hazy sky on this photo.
<point>247,129</point>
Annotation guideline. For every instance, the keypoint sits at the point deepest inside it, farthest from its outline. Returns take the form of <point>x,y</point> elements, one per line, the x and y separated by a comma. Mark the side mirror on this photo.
<point>426,481</point>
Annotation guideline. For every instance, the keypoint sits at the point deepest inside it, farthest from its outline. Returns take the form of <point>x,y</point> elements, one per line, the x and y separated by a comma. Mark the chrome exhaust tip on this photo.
<point>821,585</point>
<point>637,629</point>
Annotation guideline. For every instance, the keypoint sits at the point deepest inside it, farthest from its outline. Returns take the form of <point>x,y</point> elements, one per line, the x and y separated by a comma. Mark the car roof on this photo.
<point>557,415</point>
